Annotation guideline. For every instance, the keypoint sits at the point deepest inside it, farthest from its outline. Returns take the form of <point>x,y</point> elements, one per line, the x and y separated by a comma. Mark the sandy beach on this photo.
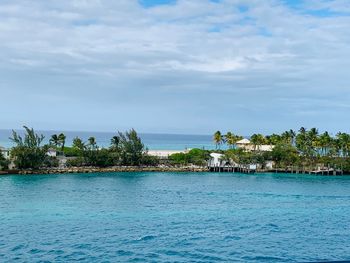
<point>165,153</point>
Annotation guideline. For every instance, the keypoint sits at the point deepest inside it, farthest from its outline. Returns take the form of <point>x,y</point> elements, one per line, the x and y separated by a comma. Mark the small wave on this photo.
<point>124,253</point>
<point>264,258</point>
<point>146,238</point>
<point>18,247</point>
<point>232,238</point>
<point>35,251</point>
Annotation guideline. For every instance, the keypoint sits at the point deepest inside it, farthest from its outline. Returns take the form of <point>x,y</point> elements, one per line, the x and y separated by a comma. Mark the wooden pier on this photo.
<point>231,169</point>
<point>249,170</point>
<point>317,171</point>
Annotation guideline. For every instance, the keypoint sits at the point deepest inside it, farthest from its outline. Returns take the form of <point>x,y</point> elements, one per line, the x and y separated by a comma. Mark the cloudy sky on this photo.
<point>185,66</point>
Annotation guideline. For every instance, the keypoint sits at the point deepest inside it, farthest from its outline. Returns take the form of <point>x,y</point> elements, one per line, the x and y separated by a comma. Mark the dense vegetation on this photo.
<point>126,149</point>
<point>29,152</point>
<point>304,149</point>
<point>3,162</point>
<point>194,156</point>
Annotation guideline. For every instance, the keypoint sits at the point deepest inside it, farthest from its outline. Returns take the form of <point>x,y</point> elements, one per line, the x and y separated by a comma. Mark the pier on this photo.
<point>231,169</point>
<point>316,171</point>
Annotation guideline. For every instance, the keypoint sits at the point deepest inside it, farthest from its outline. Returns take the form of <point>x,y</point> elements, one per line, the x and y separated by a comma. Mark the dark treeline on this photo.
<point>29,152</point>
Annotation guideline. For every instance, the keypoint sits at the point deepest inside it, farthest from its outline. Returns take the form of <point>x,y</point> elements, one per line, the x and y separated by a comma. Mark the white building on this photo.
<point>51,152</point>
<point>269,164</point>
<point>216,160</point>
<point>5,152</point>
<point>248,146</point>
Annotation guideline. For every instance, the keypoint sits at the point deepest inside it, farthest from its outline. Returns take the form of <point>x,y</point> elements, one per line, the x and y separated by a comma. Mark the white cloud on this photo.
<point>171,53</point>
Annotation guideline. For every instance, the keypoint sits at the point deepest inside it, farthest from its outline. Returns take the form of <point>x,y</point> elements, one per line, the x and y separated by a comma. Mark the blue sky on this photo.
<point>152,3</point>
<point>185,66</point>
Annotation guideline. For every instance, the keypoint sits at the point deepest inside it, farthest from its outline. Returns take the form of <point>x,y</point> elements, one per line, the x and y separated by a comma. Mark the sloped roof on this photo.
<point>216,155</point>
<point>243,141</point>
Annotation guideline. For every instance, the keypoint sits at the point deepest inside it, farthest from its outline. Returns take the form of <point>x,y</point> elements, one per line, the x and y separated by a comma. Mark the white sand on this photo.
<point>164,153</point>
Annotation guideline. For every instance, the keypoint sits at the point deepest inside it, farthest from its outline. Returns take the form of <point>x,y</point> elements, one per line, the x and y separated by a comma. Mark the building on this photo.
<point>248,146</point>
<point>5,152</point>
<point>216,160</point>
<point>51,152</point>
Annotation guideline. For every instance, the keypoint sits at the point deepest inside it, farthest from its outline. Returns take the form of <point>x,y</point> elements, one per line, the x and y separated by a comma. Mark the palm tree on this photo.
<point>288,137</point>
<point>231,139</point>
<point>62,139</point>
<point>257,140</point>
<point>273,139</point>
<point>55,140</point>
<point>301,141</point>
<point>115,142</point>
<point>325,142</point>
<point>217,139</point>
<point>313,140</point>
<point>292,135</point>
<point>343,140</point>
<point>92,143</point>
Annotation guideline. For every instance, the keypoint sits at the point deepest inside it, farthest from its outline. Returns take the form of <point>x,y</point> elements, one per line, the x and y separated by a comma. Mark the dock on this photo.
<point>232,169</point>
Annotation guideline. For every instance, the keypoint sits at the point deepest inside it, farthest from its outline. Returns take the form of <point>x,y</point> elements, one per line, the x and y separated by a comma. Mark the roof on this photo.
<point>51,150</point>
<point>243,141</point>
<point>266,148</point>
<point>216,155</point>
<point>3,149</point>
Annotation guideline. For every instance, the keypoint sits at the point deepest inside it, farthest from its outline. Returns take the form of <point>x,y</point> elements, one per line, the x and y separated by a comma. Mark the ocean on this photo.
<point>152,141</point>
<point>174,217</point>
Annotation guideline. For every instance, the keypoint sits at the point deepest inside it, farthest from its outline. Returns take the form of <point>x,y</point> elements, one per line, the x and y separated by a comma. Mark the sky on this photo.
<point>167,66</point>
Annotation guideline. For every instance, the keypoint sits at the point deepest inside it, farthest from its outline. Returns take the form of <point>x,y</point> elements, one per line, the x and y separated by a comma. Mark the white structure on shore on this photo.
<point>216,160</point>
<point>51,152</point>
<point>5,152</point>
<point>248,146</point>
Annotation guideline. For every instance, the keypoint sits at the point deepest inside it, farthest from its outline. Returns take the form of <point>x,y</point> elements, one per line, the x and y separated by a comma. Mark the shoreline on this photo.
<point>130,169</point>
<point>195,169</point>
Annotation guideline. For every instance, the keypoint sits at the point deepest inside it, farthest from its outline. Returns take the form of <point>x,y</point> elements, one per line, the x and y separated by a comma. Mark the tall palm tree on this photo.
<point>292,135</point>
<point>313,140</point>
<point>257,140</point>
<point>325,143</point>
<point>92,143</point>
<point>343,140</point>
<point>230,139</point>
<point>115,142</point>
<point>62,139</point>
<point>54,140</point>
<point>217,139</point>
<point>285,136</point>
<point>273,139</point>
<point>301,140</point>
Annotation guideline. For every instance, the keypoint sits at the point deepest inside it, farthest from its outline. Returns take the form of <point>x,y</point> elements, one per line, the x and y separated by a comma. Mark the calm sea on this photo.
<point>174,217</point>
<point>152,141</point>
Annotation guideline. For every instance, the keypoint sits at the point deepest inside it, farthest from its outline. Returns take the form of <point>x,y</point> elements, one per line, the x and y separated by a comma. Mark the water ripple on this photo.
<point>164,217</point>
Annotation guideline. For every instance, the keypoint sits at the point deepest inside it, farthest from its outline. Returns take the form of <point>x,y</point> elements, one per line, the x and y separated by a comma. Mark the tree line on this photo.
<point>291,148</point>
<point>29,151</point>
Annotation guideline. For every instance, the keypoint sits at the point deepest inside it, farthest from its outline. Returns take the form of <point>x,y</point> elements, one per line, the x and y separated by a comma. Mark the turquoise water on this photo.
<point>174,217</point>
<point>152,141</point>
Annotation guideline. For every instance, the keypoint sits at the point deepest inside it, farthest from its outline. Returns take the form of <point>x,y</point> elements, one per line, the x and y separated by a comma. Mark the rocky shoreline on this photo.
<point>108,170</point>
<point>195,169</point>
